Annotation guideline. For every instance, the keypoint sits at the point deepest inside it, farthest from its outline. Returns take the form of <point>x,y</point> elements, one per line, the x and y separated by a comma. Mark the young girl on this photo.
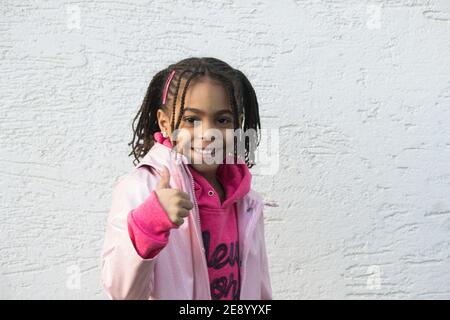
<point>180,225</point>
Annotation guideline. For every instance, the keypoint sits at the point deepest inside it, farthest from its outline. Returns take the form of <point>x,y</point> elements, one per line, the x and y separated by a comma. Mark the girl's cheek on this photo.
<point>182,137</point>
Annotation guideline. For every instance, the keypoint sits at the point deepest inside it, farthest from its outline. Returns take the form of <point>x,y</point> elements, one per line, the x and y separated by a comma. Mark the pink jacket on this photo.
<point>179,270</point>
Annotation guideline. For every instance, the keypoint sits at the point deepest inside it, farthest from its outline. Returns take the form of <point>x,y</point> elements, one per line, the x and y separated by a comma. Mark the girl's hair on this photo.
<point>242,100</point>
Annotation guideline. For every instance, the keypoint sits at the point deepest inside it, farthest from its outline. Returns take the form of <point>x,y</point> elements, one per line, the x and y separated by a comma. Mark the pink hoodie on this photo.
<point>220,227</point>
<point>134,264</point>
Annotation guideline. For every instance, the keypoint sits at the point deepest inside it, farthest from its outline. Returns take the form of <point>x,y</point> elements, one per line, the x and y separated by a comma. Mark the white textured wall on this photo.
<point>360,94</point>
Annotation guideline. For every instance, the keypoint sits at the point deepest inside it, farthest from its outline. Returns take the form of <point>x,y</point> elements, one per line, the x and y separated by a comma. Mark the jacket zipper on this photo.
<point>199,223</point>
<point>195,202</point>
<point>251,225</point>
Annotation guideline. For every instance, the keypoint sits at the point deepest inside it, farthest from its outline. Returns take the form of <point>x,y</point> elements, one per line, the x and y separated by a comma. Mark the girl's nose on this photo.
<point>207,130</point>
<point>207,135</point>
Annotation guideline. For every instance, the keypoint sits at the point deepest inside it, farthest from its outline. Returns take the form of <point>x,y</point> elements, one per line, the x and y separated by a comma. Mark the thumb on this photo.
<point>165,177</point>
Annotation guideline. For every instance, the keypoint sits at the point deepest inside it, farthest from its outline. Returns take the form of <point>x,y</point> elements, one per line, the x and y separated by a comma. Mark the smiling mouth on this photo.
<point>207,152</point>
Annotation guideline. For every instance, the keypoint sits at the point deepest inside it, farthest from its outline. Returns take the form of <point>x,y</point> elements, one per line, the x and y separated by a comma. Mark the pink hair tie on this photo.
<point>166,86</point>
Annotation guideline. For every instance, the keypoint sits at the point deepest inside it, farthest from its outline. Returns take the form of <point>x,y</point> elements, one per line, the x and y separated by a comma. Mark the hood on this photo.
<point>235,178</point>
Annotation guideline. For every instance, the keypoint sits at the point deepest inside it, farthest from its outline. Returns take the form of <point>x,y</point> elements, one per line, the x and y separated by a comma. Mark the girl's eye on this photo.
<point>224,120</point>
<point>190,120</point>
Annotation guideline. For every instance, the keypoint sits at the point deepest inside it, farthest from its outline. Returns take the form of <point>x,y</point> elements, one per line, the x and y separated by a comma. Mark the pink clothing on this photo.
<point>150,233</point>
<point>140,262</point>
<point>219,227</point>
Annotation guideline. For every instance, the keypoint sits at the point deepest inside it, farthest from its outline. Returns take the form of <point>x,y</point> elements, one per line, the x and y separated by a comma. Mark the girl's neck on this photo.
<point>210,174</point>
<point>211,177</point>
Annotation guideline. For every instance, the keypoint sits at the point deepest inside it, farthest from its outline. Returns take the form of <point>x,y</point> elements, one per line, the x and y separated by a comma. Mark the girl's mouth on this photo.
<point>207,152</point>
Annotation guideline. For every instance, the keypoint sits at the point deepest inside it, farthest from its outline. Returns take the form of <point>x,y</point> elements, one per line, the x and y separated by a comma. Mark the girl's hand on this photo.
<point>175,203</point>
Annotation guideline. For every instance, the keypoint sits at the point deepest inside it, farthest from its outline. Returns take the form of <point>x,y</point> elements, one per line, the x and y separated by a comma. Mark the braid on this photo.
<point>184,95</point>
<point>146,118</point>
<point>231,95</point>
<point>174,103</point>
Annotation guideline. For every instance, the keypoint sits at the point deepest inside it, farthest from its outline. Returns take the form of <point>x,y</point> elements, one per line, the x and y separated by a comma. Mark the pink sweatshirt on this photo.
<point>149,225</point>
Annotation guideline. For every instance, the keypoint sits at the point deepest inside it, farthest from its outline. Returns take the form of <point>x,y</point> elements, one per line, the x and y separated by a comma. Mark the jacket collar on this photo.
<point>160,155</point>
<point>235,178</point>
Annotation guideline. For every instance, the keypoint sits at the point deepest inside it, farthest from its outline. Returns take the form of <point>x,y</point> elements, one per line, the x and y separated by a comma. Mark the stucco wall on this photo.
<point>359,93</point>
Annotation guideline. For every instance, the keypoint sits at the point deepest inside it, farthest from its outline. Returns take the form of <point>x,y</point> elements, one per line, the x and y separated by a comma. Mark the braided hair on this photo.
<point>241,93</point>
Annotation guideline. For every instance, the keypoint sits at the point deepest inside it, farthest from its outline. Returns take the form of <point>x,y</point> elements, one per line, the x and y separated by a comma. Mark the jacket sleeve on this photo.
<point>149,227</point>
<point>125,274</point>
<point>266,287</point>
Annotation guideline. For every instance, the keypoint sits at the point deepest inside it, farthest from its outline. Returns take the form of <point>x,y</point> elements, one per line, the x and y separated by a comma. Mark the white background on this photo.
<point>359,92</point>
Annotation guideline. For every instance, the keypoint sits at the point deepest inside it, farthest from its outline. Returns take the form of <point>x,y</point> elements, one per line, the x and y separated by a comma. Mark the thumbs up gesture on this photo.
<point>175,203</point>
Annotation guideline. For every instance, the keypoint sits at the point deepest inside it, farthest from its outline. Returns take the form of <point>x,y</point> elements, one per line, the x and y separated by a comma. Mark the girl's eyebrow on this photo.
<point>195,110</point>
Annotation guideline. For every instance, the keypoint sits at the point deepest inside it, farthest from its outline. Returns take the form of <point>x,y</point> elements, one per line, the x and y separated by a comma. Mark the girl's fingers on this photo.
<point>180,221</point>
<point>186,204</point>
<point>183,195</point>
<point>181,215</point>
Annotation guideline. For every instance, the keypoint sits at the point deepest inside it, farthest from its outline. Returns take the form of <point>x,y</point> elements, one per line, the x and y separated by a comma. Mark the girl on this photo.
<point>182,226</point>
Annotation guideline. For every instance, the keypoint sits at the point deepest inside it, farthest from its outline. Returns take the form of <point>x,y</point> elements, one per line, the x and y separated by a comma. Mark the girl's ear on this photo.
<point>163,121</point>
<point>241,118</point>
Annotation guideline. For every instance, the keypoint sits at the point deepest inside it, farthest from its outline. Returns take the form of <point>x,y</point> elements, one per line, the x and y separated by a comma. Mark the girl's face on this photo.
<point>206,127</point>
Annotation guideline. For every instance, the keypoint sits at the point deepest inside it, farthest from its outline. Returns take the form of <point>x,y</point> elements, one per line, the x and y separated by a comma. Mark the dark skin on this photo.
<point>207,103</point>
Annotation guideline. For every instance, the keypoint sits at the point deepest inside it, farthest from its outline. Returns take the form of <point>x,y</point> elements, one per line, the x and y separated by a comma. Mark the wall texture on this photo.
<point>359,92</point>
